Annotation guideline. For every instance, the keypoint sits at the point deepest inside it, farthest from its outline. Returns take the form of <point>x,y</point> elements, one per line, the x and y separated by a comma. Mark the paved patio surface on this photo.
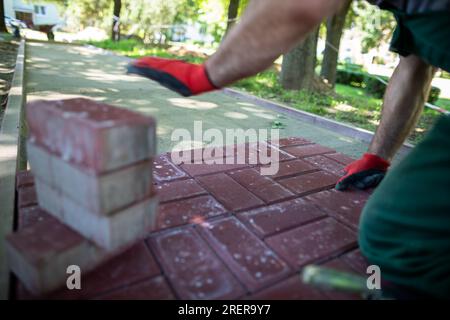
<point>227,232</point>
<point>63,71</point>
<point>224,231</point>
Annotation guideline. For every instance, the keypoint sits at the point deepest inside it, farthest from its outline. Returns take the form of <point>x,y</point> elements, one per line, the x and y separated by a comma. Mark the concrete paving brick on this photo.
<point>292,168</point>
<point>327,164</point>
<point>341,158</point>
<point>206,168</point>
<point>193,269</point>
<point>40,254</point>
<point>49,199</point>
<point>101,194</point>
<point>262,186</point>
<point>187,211</point>
<point>307,150</point>
<point>134,265</point>
<point>248,257</point>
<point>278,217</point>
<point>24,178</point>
<point>109,232</point>
<point>290,289</point>
<point>357,261</point>
<point>92,134</point>
<point>244,153</point>
<point>154,289</point>
<point>29,216</point>
<point>312,242</point>
<point>291,141</point>
<point>26,197</point>
<point>268,153</point>
<point>200,155</point>
<point>310,182</point>
<point>345,206</point>
<point>164,170</point>
<point>175,190</point>
<point>40,161</point>
<point>228,192</point>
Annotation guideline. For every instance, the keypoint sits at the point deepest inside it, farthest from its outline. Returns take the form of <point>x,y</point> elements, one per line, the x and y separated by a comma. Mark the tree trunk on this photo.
<point>233,9</point>
<point>335,26</point>
<point>115,29</point>
<point>297,69</point>
<point>2,19</point>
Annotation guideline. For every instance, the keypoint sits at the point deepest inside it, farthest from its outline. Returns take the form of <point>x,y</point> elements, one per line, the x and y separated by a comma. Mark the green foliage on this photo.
<point>86,13</point>
<point>445,74</point>
<point>375,25</point>
<point>372,84</point>
<point>123,46</point>
<point>443,103</point>
<point>150,20</point>
<point>135,49</point>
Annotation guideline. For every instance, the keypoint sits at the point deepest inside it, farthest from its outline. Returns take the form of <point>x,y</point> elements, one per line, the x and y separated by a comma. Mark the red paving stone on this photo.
<point>135,264</point>
<point>292,168</point>
<point>344,206</point>
<point>153,289</point>
<point>341,158</point>
<point>186,211</point>
<point>327,164</point>
<point>278,217</point>
<point>313,242</point>
<point>193,269</point>
<point>28,216</point>
<point>164,170</point>
<point>266,152</point>
<point>262,186</point>
<point>174,190</point>
<point>310,182</point>
<point>357,261</point>
<point>290,289</point>
<point>246,255</point>
<point>24,178</point>
<point>195,169</point>
<point>230,233</point>
<point>308,150</point>
<point>291,141</point>
<point>230,193</point>
<point>27,196</point>
<point>112,137</point>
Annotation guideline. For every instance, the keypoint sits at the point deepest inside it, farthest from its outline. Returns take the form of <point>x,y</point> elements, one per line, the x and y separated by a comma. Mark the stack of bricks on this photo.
<point>92,166</point>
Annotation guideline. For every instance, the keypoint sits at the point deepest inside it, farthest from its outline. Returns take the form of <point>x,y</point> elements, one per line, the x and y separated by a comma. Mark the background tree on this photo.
<point>233,9</point>
<point>115,28</point>
<point>297,69</point>
<point>86,13</point>
<point>375,25</point>
<point>335,26</point>
<point>2,19</point>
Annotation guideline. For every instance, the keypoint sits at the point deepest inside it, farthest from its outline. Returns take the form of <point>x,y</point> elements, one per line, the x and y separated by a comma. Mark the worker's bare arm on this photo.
<point>267,29</point>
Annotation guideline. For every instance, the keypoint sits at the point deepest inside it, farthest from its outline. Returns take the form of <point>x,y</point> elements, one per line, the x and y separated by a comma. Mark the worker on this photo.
<point>405,226</point>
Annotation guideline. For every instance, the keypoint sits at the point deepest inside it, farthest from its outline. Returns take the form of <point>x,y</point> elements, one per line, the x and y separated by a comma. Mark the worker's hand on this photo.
<point>364,173</point>
<point>185,78</point>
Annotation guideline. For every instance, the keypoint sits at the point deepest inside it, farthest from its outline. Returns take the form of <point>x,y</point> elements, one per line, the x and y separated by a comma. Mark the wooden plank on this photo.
<point>9,149</point>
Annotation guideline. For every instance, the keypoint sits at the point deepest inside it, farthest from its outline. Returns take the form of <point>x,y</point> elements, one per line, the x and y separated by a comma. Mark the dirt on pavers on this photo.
<point>8,56</point>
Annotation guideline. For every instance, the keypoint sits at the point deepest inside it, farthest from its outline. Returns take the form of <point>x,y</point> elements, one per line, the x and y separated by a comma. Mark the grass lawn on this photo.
<point>350,105</point>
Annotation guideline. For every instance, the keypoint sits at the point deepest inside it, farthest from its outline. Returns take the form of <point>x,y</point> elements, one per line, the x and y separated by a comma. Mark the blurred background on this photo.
<point>340,71</point>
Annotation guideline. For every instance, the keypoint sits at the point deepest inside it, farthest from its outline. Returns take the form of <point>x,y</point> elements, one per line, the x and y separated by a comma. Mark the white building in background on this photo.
<point>33,14</point>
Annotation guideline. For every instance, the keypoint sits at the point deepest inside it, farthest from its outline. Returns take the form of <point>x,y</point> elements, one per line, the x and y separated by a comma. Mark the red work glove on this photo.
<point>364,173</point>
<point>185,78</point>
